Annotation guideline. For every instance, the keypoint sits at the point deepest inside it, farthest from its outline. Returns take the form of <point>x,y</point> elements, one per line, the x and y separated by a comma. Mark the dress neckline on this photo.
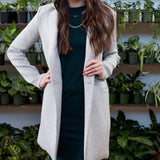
<point>77,10</point>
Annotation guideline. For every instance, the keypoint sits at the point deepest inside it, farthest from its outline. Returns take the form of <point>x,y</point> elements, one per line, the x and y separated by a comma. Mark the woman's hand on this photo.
<point>94,67</point>
<point>45,79</point>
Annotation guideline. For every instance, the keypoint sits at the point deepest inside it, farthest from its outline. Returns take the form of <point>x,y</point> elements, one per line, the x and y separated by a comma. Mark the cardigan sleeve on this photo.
<point>20,45</point>
<point>110,58</point>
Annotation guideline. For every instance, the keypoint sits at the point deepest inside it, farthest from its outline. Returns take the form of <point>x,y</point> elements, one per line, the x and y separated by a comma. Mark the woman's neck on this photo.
<point>76,3</point>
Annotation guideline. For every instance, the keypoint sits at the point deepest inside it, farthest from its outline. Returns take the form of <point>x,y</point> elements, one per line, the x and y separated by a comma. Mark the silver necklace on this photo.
<point>76,26</point>
<point>79,24</point>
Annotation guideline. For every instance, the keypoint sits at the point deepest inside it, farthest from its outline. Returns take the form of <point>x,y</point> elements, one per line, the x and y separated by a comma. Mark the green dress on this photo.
<point>71,140</point>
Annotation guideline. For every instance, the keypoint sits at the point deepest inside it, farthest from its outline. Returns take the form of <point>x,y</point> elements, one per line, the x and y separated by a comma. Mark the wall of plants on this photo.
<point>128,140</point>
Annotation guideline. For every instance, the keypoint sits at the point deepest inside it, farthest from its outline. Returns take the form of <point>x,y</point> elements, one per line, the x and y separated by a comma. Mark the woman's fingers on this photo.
<point>45,79</point>
<point>94,67</point>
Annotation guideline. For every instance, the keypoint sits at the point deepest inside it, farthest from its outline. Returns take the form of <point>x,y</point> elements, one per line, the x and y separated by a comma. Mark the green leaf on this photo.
<point>142,140</point>
<point>122,141</point>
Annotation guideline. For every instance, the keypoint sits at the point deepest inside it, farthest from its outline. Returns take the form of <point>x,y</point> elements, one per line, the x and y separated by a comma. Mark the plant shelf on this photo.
<point>133,107</point>
<point>9,65</point>
<point>19,25</point>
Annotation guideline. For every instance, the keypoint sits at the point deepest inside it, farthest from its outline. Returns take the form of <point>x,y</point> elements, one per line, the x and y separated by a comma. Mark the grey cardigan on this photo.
<point>97,113</point>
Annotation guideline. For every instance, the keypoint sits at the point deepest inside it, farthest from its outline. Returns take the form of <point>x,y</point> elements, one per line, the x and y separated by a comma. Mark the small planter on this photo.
<point>42,58</point>
<point>4,17</point>
<point>122,56</point>
<point>32,14</point>
<point>132,57</point>
<point>149,60</point>
<point>112,98</point>
<point>120,14</point>
<point>32,57</point>
<point>22,17</point>
<point>157,16</point>
<point>124,98</point>
<point>147,16</point>
<point>137,98</point>
<point>12,17</point>
<point>150,98</point>
<point>133,16</point>
<point>2,59</point>
<point>18,99</point>
<point>33,99</point>
<point>5,98</point>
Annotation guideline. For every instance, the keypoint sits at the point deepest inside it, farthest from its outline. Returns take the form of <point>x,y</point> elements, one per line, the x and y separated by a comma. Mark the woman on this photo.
<point>79,44</point>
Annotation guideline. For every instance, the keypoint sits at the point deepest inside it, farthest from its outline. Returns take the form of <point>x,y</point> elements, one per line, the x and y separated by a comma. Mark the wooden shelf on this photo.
<point>130,68</point>
<point>133,107</point>
<point>19,25</point>
<point>22,106</point>
<point>9,65</point>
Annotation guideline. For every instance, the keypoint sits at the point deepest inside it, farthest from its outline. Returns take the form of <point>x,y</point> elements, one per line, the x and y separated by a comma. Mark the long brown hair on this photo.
<point>99,21</point>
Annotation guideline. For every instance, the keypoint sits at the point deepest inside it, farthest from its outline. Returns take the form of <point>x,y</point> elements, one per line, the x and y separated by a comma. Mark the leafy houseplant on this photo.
<point>112,90</point>
<point>9,34</point>
<point>152,96</point>
<point>5,85</point>
<point>4,14</point>
<point>132,48</point>
<point>124,88</point>
<point>120,11</point>
<point>121,147</point>
<point>19,144</point>
<point>20,6</point>
<point>18,90</point>
<point>147,53</point>
<point>134,10</point>
<point>32,94</point>
<point>136,87</point>
<point>147,13</point>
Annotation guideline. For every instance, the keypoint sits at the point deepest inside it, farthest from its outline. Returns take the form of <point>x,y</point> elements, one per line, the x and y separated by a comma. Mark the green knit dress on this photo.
<point>71,140</point>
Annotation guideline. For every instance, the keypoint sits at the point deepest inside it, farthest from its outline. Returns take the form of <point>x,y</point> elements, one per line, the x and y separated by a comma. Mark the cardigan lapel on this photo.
<point>56,78</point>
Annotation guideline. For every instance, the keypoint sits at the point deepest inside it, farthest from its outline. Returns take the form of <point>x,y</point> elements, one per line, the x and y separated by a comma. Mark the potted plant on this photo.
<point>132,49</point>
<point>147,13</point>
<point>152,95</point>
<point>12,13</point>
<point>8,35</point>
<point>5,85</point>
<point>20,6</point>
<point>134,10</point>
<point>2,52</point>
<point>18,90</point>
<point>32,55</point>
<point>32,94</point>
<point>4,14</point>
<point>157,14</point>
<point>124,88</point>
<point>120,11</point>
<point>34,4</point>
<point>112,90</point>
<point>136,87</point>
<point>147,53</point>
